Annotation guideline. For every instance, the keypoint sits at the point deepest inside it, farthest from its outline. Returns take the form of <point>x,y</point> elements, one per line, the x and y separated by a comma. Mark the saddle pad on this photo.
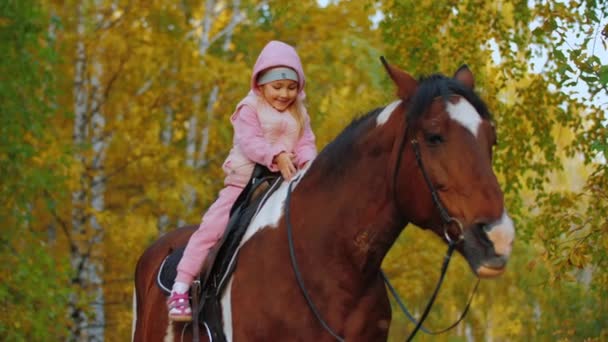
<point>168,270</point>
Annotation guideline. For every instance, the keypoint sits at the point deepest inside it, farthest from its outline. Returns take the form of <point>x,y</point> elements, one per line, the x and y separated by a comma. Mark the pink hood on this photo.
<point>274,54</point>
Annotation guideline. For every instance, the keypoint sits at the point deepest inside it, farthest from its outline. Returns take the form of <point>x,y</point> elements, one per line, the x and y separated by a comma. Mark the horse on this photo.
<point>425,159</point>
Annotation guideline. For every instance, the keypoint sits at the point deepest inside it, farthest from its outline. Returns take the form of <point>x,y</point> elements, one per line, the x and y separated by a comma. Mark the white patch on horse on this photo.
<point>169,334</point>
<point>502,234</point>
<point>134,321</point>
<point>383,117</point>
<point>272,211</point>
<point>227,311</point>
<point>465,114</point>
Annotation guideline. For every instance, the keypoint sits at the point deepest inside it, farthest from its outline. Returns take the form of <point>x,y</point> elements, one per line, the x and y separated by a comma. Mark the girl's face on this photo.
<point>280,94</point>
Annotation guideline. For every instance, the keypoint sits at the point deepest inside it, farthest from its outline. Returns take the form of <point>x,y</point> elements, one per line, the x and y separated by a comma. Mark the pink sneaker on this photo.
<point>179,307</point>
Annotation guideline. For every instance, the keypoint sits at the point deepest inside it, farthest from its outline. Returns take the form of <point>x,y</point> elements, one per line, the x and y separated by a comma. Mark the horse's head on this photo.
<point>450,136</point>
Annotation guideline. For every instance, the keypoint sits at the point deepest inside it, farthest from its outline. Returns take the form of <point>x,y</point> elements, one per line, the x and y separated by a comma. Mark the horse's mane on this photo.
<point>331,159</point>
<point>437,85</point>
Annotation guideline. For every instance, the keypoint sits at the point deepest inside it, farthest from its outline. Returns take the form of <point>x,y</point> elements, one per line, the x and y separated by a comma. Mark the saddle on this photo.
<point>220,262</point>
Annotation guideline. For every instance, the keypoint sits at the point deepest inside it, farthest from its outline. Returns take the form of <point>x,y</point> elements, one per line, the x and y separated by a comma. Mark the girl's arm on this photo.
<point>248,135</point>
<point>305,149</point>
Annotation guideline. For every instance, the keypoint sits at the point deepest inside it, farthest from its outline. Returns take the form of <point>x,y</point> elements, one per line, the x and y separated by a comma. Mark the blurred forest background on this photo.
<point>114,124</point>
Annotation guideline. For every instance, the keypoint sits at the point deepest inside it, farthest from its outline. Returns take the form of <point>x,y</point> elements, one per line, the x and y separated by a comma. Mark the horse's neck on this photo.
<point>356,211</point>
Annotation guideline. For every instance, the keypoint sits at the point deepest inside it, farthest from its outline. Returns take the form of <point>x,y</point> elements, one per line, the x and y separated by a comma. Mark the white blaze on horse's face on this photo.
<point>383,117</point>
<point>463,112</point>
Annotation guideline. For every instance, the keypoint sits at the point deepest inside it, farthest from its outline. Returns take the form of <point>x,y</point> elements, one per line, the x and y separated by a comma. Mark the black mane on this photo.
<point>437,85</point>
<point>334,165</point>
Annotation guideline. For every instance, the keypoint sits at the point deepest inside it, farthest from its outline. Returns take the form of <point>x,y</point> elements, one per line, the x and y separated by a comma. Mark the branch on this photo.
<point>105,24</point>
<point>109,175</point>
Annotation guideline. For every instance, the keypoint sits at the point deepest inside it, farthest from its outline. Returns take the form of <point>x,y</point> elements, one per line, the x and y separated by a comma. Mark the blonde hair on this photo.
<point>297,110</point>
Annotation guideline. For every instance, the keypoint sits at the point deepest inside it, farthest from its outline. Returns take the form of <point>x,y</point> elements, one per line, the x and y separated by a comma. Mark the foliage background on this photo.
<point>113,129</point>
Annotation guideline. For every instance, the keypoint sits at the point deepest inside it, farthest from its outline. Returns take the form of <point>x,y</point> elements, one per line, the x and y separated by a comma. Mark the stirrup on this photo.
<point>179,307</point>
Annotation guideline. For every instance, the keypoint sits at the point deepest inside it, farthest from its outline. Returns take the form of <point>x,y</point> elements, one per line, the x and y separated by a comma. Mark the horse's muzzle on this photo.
<point>488,246</point>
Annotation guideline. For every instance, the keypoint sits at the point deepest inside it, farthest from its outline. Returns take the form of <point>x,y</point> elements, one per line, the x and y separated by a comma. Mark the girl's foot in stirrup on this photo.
<point>179,307</point>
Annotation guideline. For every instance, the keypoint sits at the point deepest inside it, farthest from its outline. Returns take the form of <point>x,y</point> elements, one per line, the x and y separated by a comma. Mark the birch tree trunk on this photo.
<point>191,138</point>
<point>197,158</point>
<point>166,136</point>
<point>204,44</point>
<point>51,229</point>
<point>235,19</point>
<point>94,269</point>
<point>163,221</point>
<point>87,300</point>
<point>468,333</point>
<point>189,192</point>
<point>202,152</point>
<point>79,136</point>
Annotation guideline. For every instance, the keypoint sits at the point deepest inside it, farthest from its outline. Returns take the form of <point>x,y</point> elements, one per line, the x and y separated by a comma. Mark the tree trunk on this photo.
<point>198,159</point>
<point>87,301</point>
<point>202,152</point>
<point>166,136</point>
<point>235,19</point>
<point>94,272</point>
<point>191,139</point>
<point>80,132</point>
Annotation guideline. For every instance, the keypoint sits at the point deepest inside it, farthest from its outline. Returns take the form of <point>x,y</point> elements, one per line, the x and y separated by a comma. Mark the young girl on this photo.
<point>272,128</point>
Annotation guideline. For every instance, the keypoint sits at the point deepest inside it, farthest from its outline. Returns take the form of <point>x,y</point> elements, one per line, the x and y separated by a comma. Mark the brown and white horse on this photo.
<point>345,212</point>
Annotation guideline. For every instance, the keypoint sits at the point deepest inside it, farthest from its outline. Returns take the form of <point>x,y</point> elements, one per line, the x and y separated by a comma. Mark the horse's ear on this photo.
<point>406,84</point>
<point>465,76</point>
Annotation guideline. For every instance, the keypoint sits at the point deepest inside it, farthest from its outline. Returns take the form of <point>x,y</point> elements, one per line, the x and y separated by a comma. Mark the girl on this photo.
<point>272,128</point>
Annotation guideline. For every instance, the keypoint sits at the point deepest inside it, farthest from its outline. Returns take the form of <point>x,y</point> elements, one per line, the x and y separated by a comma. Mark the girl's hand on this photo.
<point>285,163</point>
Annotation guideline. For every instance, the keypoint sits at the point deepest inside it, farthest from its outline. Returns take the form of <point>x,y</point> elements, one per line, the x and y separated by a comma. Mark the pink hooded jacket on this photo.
<point>260,131</point>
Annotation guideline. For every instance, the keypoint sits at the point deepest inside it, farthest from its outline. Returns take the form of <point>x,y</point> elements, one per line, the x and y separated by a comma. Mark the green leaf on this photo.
<point>589,78</point>
<point>604,75</point>
<point>559,55</point>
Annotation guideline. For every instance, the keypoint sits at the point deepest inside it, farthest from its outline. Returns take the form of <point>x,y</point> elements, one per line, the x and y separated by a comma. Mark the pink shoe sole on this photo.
<point>180,318</point>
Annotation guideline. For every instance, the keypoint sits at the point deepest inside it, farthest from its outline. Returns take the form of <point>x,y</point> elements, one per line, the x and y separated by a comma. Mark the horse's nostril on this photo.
<point>484,229</point>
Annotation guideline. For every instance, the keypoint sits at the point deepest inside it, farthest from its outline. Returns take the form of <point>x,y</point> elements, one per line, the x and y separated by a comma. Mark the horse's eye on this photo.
<point>434,139</point>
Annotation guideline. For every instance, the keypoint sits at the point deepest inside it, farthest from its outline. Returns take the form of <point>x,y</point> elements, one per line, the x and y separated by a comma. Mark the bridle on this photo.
<point>448,220</point>
<point>452,243</point>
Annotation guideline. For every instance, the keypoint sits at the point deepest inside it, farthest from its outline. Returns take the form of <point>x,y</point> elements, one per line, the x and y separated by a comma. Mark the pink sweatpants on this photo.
<point>207,235</point>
